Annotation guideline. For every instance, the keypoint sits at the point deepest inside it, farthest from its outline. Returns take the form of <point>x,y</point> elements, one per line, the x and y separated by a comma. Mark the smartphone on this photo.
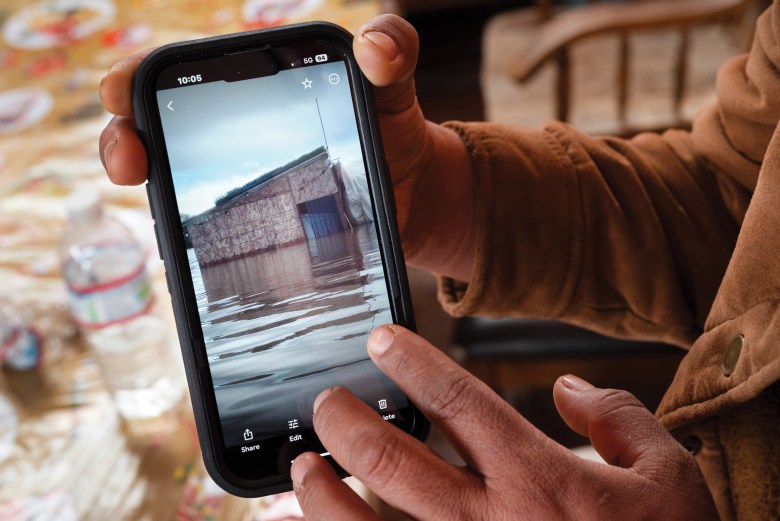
<point>274,216</point>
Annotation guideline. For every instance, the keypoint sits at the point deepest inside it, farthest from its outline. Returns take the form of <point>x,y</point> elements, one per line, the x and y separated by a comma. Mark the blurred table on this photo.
<point>64,453</point>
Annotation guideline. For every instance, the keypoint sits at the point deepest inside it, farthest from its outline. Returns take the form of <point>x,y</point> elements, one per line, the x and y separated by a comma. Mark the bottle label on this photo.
<point>113,302</point>
<point>20,348</point>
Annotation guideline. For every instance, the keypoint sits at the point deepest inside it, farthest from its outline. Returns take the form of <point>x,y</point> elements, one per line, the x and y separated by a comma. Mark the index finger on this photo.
<point>116,85</point>
<point>483,428</point>
<point>398,468</point>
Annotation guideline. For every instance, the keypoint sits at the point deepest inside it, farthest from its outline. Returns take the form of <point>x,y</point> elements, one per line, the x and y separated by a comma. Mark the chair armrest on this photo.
<point>576,24</point>
<point>482,338</point>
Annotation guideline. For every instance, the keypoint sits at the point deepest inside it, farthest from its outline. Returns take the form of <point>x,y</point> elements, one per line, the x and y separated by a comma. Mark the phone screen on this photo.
<point>275,204</point>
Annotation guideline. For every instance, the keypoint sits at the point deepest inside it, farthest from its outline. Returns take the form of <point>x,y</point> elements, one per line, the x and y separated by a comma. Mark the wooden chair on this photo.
<point>559,39</point>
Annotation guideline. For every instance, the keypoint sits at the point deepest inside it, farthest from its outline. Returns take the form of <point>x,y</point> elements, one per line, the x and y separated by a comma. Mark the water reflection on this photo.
<point>282,325</point>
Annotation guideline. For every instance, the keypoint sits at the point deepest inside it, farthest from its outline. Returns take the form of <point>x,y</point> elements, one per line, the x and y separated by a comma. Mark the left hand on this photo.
<point>513,471</point>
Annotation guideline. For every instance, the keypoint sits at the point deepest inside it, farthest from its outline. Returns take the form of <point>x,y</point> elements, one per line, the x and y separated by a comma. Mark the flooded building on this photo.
<point>289,205</point>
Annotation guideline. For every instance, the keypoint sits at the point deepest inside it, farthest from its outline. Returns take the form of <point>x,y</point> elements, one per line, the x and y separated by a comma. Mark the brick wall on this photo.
<point>264,218</point>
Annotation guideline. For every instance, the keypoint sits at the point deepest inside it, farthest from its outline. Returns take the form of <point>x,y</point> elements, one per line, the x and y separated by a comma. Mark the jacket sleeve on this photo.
<point>627,237</point>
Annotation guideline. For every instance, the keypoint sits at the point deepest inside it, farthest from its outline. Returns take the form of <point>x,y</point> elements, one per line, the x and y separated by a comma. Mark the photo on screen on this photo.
<point>274,201</point>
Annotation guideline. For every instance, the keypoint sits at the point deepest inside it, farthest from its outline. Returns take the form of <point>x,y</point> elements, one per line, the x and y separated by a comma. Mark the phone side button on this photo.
<point>168,281</point>
<point>157,238</point>
<point>149,197</point>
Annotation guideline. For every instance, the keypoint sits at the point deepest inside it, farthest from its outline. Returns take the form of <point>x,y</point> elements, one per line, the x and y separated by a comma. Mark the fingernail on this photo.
<point>574,383</point>
<point>381,340</point>
<point>107,155</point>
<point>384,42</point>
<point>320,397</point>
<point>114,67</point>
<point>299,469</point>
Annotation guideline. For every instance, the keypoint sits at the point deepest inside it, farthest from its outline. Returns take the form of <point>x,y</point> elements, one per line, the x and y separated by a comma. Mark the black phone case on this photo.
<point>172,250</point>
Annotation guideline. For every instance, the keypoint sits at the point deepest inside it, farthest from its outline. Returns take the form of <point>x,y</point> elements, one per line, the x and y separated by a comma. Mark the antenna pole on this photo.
<point>323,127</point>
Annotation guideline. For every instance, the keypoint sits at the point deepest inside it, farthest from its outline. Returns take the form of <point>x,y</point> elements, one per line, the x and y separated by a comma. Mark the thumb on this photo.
<point>386,49</point>
<point>619,427</point>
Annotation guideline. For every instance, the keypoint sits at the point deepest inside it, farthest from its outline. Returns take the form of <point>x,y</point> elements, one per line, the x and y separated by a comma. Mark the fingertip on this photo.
<point>393,337</point>
<point>380,340</point>
<point>114,90</point>
<point>300,467</point>
<point>322,494</point>
<point>392,25</point>
<point>574,383</point>
<point>383,42</point>
<point>322,397</point>
<point>568,391</point>
<point>105,156</point>
<point>386,50</point>
<point>122,153</point>
<point>569,396</point>
<point>116,86</point>
<point>128,163</point>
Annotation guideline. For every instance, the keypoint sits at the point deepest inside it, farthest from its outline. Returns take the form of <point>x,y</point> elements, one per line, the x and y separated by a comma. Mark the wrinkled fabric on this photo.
<point>355,195</point>
<point>672,237</point>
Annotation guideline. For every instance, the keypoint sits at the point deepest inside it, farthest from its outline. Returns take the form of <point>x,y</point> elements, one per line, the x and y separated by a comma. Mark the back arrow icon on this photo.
<point>169,104</point>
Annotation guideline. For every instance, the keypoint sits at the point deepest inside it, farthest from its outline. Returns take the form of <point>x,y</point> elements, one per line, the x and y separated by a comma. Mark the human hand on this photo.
<point>512,470</point>
<point>418,152</point>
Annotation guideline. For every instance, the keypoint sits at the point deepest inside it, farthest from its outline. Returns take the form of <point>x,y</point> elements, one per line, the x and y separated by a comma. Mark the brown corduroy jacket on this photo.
<point>672,237</point>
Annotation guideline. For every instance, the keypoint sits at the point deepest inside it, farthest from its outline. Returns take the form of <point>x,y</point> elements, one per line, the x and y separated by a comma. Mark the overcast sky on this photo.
<point>221,135</point>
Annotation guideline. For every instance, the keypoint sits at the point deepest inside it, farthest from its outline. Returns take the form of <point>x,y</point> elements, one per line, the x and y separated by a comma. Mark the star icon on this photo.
<point>306,83</point>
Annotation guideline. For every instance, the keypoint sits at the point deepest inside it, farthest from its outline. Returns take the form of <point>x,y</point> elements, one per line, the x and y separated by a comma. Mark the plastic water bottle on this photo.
<point>111,298</point>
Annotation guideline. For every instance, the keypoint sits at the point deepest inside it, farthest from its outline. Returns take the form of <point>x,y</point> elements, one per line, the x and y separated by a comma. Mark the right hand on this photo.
<point>512,470</point>
<point>435,216</point>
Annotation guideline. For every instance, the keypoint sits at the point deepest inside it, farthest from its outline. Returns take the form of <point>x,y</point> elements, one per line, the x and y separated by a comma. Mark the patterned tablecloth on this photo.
<point>64,454</point>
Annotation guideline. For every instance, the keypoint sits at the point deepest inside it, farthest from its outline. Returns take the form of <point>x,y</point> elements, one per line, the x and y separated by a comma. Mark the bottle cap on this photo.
<point>84,204</point>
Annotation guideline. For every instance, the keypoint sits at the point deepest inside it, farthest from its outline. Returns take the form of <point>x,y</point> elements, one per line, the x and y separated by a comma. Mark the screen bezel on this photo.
<point>170,236</point>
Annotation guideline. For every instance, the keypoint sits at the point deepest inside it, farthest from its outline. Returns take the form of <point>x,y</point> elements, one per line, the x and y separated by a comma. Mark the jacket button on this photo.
<point>692,444</point>
<point>731,356</point>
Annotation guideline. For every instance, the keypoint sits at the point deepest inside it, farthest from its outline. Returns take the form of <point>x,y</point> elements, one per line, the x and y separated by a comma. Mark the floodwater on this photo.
<point>281,326</point>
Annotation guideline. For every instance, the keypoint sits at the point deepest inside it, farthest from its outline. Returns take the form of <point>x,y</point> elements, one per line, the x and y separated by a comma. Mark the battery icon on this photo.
<point>321,58</point>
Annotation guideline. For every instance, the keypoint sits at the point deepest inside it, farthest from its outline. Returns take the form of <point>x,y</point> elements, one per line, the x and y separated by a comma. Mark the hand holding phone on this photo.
<point>274,216</point>
<point>427,162</point>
